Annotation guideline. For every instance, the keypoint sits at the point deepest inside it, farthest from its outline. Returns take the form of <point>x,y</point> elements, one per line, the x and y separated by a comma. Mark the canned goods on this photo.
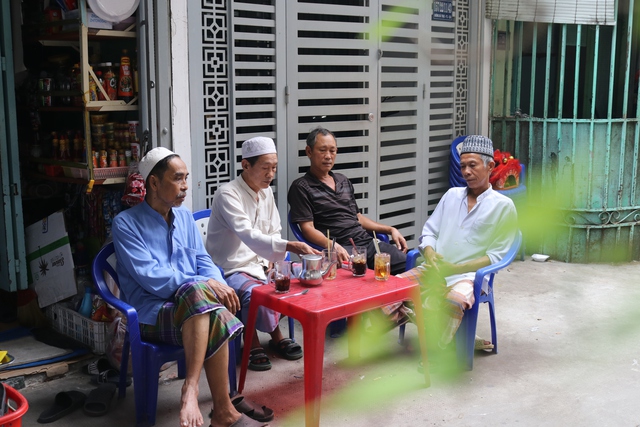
<point>46,101</point>
<point>103,158</point>
<point>121,159</point>
<point>113,158</point>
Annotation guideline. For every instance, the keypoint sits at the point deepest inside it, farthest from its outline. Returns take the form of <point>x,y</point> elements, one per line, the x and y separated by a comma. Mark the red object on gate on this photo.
<point>13,417</point>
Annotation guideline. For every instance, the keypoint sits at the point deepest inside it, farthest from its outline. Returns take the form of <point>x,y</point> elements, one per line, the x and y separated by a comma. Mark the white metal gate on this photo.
<point>381,74</point>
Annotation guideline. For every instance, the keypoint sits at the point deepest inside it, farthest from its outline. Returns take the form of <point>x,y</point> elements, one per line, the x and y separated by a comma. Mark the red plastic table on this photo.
<point>345,296</point>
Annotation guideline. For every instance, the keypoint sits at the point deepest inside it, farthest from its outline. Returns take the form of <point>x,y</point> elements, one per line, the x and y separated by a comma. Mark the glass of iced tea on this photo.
<point>280,276</point>
<point>359,261</point>
<point>382,266</point>
<point>328,258</point>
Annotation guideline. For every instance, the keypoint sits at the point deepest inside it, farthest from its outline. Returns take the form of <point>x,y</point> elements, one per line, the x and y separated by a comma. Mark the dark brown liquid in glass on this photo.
<point>359,268</point>
<point>282,285</point>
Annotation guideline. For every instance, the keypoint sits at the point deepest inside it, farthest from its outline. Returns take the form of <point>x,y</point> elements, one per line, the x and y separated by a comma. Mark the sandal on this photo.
<point>286,348</point>
<point>250,409</point>
<point>258,360</point>
<point>480,344</point>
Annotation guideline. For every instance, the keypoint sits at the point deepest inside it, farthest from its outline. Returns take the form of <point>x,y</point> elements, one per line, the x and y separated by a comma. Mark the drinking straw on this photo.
<point>375,243</point>
<point>328,244</point>
<point>355,248</point>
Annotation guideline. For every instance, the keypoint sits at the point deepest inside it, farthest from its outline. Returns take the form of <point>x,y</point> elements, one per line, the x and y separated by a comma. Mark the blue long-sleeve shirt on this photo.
<point>155,259</point>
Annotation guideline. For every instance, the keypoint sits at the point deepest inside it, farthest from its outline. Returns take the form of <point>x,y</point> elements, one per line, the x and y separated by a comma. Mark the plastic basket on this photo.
<point>103,173</point>
<point>78,327</point>
<point>17,406</point>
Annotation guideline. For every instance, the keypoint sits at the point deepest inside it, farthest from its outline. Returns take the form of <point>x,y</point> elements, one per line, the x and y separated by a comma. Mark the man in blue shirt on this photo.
<point>179,293</point>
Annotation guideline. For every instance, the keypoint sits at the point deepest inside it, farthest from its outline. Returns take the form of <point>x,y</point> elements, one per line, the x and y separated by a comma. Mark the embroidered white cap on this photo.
<point>151,159</point>
<point>257,146</point>
<point>477,144</point>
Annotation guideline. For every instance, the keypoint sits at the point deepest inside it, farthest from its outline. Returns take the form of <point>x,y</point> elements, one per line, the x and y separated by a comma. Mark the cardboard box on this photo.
<point>93,20</point>
<point>50,268</point>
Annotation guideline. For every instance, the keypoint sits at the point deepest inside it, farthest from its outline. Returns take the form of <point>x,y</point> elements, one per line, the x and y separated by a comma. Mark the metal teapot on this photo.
<point>311,273</point>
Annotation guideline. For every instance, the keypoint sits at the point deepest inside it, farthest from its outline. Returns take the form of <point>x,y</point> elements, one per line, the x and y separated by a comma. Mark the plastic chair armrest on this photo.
<point>412,258</point>
<point>505,261</point>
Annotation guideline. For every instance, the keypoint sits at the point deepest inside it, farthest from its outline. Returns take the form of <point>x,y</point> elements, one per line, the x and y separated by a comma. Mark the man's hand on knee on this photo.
<point>226,295</point>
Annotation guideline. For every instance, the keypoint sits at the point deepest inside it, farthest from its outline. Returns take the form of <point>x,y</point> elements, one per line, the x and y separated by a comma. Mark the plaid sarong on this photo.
<point>447,303</point>
<point>193,299</point>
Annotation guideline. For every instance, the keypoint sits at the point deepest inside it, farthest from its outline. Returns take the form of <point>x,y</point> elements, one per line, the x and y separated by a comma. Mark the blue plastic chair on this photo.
<point>147,357</point>
<point>466,334</point>
<point>202,221</point>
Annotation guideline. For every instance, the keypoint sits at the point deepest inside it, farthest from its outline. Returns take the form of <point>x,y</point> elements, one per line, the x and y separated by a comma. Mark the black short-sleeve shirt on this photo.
<point>336,211</point>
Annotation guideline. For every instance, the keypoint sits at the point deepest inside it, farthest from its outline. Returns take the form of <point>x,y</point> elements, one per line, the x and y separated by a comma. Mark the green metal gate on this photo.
<point>564,100</point>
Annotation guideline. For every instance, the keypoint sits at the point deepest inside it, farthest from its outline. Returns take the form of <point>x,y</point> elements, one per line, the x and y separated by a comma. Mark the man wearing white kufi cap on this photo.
<point>181,298</point>
<point>244,239</point>
<point>471,227</point>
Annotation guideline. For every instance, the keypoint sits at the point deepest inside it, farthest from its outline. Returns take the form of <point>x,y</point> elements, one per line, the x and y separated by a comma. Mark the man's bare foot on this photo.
<point>190,415</point>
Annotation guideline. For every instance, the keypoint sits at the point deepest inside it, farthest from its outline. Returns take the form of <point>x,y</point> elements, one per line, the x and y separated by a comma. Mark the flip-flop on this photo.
<point>64,403</point>
<point>245,421</point>
<point>97,367</point>
<point>99,400</point>
<point>258,360</point>
<point>286,348</point>
<point>251,409</point>
<point>109,376</point>
<point>480,344</point>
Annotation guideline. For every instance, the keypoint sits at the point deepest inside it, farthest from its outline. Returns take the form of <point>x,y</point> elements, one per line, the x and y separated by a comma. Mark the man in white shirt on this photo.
<point>472,227</point>
<point>244,239</point>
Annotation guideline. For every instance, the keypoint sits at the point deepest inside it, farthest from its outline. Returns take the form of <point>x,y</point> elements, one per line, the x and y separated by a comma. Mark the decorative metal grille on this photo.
<point>215,95</point>
<point>462,66</point>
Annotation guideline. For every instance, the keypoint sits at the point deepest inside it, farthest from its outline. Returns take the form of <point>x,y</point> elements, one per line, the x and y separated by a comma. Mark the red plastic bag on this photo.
<point>135,190</point>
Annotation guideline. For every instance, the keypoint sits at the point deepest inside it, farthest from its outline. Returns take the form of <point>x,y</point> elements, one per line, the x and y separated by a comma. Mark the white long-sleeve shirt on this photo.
<point>244,229</point>
<point>460,236</point>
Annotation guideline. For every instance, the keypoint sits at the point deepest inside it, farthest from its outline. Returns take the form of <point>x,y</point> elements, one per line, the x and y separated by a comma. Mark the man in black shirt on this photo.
<point>322,200</point>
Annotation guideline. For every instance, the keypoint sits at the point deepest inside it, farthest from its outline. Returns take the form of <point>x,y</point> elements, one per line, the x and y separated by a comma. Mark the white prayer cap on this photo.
<point>477,144</point>
<point>151,159</point>
<point>258,146</point>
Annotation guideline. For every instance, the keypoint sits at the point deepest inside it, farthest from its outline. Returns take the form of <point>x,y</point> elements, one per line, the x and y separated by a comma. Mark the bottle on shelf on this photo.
<point>77,147</point>
<point>110,85</point>
<point>64,148</point>
<point>100,82</point>
<point>135,74</point>
<point>93,88</point>
<point>76,84</point>
<point>125,82</point>
<point>55,145</point>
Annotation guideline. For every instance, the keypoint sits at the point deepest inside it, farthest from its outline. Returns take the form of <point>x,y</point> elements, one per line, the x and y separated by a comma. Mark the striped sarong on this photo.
<point>193,299</point>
